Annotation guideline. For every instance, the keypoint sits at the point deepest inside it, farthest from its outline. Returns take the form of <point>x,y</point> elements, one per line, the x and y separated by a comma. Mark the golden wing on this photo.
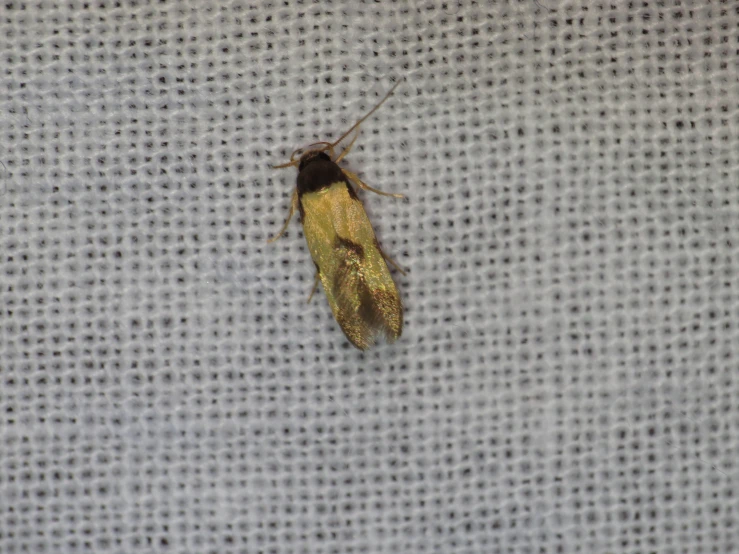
<point>362,294</point>
<point>351,266</point>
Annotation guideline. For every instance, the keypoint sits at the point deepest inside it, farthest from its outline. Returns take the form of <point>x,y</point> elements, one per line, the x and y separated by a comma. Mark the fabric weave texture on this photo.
<point>567,379</point>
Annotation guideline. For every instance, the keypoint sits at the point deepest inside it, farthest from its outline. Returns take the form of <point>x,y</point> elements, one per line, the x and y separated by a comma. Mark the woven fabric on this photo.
<point>567,378</point>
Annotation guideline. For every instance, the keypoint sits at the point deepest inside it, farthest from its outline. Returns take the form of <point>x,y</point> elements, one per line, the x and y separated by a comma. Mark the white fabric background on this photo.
<point>567,379</point>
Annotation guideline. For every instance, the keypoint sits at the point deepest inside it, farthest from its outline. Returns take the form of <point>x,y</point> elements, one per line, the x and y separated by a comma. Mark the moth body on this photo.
<point>348,259</point>
<point>350,264</point>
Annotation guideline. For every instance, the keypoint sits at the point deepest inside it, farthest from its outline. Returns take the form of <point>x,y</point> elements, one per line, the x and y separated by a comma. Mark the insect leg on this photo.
<point>292,162</point>
<point>389,260</point>
<point>293,205</point>
<point>315,286</point>
<point>361,184</point>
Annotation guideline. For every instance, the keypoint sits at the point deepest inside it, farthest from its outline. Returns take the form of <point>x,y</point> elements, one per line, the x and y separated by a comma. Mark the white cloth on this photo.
<point>567,377</point>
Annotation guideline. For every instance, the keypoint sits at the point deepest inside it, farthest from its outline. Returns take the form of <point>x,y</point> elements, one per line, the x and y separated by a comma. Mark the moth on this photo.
<point>349,262</point>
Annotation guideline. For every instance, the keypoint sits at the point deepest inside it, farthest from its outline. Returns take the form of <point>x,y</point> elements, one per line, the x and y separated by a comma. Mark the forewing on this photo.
<point>354,274</point>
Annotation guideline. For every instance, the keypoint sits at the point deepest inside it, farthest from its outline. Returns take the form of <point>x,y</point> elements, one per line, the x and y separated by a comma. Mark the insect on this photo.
<point>349,261</point>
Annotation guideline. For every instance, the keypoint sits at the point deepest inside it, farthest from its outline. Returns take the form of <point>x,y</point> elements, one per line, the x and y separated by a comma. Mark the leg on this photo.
<point>291,163</point>
<point>315,287</point>
<point>293,205</point>
<point>388,259</point>
<point>362,185</point>
<point>346,150</point>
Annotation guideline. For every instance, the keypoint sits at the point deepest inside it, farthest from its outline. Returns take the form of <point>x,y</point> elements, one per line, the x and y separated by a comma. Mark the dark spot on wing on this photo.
<point>351,247</point>
<point>368,311</point>
<point>351,255</point>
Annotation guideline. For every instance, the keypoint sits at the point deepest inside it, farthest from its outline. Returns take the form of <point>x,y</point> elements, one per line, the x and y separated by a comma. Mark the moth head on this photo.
<point>302,156</point>
<point>312,155</point>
